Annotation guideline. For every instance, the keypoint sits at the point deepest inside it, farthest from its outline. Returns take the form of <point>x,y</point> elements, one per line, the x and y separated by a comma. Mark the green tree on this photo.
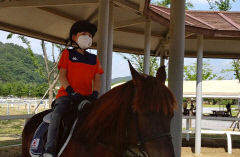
<point>51,72</point>
<point>236,68</point>
<point>30,52</point>
<point>223,5</point>
<point>190,72</point>
<point>166,3</point>
<point>138,63</point>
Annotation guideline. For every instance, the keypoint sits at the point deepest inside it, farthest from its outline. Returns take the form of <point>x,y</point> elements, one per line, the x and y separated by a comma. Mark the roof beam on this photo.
<point>229,21</point>
<point>127,5</point>
<point>201,21</point>
<point>93,17</point>
<point>162,47</point>
<point>214,38</point>
<point>141,5</point>
<point>229,55</point>
<point>43,3</point>
<point>167,13</point>
<point>126,23</point>
<point>189,34</point>
<point>137,32</point>
<point>59,13</point>
<point>31,33</point>
<point>124,49</point>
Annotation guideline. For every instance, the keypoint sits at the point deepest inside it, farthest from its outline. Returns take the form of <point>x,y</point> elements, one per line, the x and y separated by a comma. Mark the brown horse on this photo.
<point>130,120</point>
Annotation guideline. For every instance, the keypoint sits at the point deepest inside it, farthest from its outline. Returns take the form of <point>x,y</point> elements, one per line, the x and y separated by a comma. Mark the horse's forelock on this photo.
<point>153,96</point>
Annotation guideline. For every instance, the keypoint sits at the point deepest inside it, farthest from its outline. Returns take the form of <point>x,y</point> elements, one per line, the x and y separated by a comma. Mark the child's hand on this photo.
<point>76,97</point>
<point>93,96</point>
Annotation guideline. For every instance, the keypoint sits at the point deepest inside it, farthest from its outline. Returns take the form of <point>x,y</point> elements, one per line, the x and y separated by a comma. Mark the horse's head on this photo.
<point>137,111</point>
<point>154,105</point>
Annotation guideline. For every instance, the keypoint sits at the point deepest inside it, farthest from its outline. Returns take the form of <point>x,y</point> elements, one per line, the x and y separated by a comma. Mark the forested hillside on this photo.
<point>16,65</point>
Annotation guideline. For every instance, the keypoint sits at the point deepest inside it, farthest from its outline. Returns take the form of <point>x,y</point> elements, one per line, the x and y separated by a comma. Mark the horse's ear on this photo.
<point>135,75</point>
<point>161,74</point>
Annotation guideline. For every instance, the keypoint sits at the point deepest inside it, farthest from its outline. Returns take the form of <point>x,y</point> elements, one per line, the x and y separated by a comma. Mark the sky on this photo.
<point>120,66</point>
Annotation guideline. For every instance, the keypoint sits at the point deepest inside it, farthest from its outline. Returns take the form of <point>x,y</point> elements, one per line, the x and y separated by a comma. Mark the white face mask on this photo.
<point>84,41</point>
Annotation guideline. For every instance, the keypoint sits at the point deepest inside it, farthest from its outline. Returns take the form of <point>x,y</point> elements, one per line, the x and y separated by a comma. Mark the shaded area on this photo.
<point>214,142</point>
<point>10,151</point>
<point>186,152</point>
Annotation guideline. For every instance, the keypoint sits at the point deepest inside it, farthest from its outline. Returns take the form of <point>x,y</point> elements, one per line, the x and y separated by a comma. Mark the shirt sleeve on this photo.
<point>63,63</point>
<point>98,69</point>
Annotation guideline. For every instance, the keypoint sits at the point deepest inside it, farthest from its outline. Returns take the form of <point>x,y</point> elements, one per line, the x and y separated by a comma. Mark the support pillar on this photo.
<point>199,95</point>
<point>110,48</point>
<point>238,102</point>
<point>147,47</point>
<point>103,15</point>
<point>176,62</point>
<point>162,61</point>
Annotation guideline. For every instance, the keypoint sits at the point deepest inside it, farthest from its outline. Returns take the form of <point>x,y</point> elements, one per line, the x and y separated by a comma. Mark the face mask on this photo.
<point>84,41</point>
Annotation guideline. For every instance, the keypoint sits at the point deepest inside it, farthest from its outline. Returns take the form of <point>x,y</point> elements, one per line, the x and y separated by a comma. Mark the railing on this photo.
<point>27,102</point>
<point>228,133</point>
<point>11,117</point>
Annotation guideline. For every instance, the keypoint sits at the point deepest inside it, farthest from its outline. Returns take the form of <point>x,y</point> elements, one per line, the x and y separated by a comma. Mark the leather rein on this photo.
<point>141,151</point>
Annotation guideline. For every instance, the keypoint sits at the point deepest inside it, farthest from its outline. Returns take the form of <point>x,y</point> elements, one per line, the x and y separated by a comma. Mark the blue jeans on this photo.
<point>62,105</point>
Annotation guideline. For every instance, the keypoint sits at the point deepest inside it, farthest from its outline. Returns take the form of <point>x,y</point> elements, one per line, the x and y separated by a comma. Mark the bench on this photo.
<point>228,133</point>
<point>220,113</point>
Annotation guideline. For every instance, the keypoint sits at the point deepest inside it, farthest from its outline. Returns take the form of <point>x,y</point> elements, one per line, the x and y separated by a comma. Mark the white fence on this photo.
<point>27,103</point>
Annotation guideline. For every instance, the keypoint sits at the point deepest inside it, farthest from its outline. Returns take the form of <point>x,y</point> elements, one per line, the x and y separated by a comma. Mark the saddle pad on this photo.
<point>37,145</point>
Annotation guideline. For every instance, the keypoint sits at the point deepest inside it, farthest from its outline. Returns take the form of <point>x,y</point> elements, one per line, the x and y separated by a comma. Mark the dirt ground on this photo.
<point>211,148</point>
<point>10,151</point>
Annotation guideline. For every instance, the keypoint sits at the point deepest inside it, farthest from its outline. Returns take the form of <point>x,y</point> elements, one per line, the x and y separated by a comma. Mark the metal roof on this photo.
<point>213,88</point>
<point>51,21</point>
<point>228,89</point>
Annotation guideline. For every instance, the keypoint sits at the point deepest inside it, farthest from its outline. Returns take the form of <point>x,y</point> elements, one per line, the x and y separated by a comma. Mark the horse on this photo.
<point>132,119</point>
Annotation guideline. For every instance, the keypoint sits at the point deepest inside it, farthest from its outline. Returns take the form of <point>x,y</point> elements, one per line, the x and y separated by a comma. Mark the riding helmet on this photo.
<point>82,26</point>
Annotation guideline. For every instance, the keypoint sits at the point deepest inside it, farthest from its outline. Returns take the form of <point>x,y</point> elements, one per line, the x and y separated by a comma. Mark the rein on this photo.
<point>142,140</point>
<point>140,152</point>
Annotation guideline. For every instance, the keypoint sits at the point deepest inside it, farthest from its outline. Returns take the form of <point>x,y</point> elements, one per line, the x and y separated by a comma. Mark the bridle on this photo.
<point>141,141</point>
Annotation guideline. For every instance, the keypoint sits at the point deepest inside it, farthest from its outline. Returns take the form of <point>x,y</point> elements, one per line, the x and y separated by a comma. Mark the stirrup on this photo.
<point>82,104</point>
<point>47,155</point>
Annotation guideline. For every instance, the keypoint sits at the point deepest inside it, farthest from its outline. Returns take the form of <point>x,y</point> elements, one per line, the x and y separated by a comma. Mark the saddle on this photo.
<point>66,129</point>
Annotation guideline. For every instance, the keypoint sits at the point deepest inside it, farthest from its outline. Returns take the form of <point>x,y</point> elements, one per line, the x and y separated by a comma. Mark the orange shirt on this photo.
<point>81,70</point>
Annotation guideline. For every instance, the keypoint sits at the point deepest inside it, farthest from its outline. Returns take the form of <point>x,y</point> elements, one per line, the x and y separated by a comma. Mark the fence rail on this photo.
<point>213,118</point>
<point>11,117</point>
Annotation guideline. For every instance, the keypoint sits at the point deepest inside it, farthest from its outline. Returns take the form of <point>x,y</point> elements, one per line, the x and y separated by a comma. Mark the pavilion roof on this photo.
<point>51,21</point>
<point>214,88</point>
<point>229,89</point>
<point>210,23</point>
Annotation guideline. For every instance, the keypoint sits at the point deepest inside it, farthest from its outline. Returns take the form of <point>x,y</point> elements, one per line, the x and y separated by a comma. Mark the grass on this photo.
<point>10,142</point>
<point>13,127</point>
<point>217,106</point>
<point>11,130</point>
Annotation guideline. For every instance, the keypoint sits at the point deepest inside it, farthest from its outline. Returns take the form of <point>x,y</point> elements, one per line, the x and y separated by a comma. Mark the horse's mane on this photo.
<point>109,114</point>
